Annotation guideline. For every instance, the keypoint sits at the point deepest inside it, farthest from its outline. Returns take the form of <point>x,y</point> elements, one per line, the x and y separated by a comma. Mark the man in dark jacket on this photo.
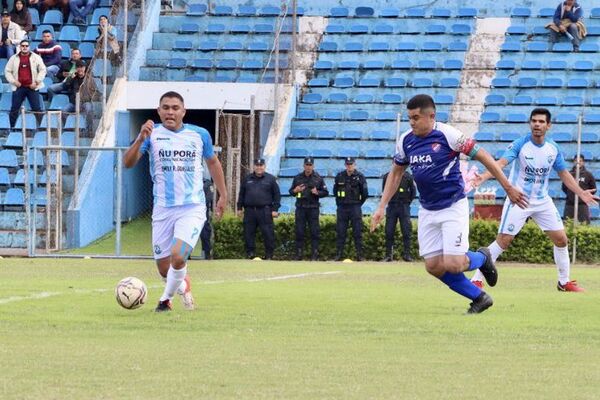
<point>398,209</point>
<point>260,200</point>
<point>67,69</point>
<point>50,52</point>
<point>351,192</point>
<point>87,94</point>
<point>308,187</point>
<point>586,181</point>
<point>568,21</point>
<point>206,232</point>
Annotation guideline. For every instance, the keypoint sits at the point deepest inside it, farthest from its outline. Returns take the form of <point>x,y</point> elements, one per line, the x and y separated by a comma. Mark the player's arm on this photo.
<point>133,153</point>
<point>585,195</point>
<point>391,185</point>
<point>216,171</point>
<point>514,194</point>
<point>481,178</point>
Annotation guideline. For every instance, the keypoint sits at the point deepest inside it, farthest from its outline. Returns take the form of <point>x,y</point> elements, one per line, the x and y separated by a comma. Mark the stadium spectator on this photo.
<point>432,150</point>
<point>351,192</point>
<point>11,35</point>
<point>308,187</point>
<point>260,200</point>
<point>87,92</point>
<point>21,16</point>
<point>67,68</point>
<point>80,9</point>
<point>113,49</point>
<point>62,5</point>
<point>25,71</point>
<point>586,181</point>
<point>206,233</point>
<point>398,209</point>
<point>51,53</point>
<point>179,206</point>
<point>536,156</point>
<point>568,21</point>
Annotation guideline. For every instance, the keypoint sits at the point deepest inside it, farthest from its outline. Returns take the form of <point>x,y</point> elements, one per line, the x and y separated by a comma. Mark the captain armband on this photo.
<point>474,150</point>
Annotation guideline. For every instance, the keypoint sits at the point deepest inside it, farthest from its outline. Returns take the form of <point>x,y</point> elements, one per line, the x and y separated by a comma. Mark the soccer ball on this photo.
<point>131,293</point>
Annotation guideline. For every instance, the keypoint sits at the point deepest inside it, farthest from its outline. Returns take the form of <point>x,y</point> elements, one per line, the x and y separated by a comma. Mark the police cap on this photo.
<point>309,161</point>
<point>259,161</point>
<point>349,160</point>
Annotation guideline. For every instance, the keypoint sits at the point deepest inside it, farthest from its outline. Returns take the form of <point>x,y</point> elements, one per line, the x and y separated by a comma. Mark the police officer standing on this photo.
<point>308,187</point>
<point>206,233</point>
<point>586,181</point>
<point>398,209</point>
<point>260,199</point>
<point>351,192</point>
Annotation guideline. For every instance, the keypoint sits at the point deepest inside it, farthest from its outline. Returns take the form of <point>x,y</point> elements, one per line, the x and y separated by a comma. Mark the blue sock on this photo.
<point>461,285</point>
<point>476,259</point>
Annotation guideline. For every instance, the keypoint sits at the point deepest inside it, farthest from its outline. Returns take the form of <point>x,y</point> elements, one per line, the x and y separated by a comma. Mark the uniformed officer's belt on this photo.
<point>255,207</point>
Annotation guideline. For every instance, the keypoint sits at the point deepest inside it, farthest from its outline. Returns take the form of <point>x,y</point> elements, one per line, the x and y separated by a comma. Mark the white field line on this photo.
<point>44,295</point>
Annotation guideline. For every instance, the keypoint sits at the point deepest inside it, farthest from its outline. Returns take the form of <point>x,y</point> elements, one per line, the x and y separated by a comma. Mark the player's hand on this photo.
<point>240,213</point>
<point>517,197</point>
<point>299,188</point>
<point>274,214</point>
<point>220,207</point>
<point>477,180</point>
<point>562,29</point>
<point>376,218</point>
<point>146,129</point>
<point>588,198</point>
<point>315,191</point>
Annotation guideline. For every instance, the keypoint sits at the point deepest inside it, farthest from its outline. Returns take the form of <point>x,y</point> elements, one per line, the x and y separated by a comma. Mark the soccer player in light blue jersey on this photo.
<point>535,156</point>
<point>176,151</point>
<point>432,150</point>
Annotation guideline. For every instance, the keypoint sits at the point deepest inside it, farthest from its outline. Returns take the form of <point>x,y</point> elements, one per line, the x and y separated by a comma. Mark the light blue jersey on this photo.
<point>176,164</point>
<point>532,167</point>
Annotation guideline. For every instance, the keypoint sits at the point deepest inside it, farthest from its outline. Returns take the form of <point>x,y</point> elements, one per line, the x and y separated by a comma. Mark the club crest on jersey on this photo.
<point>550,159</point>
<point>436,147</point>
<point>157,249</point>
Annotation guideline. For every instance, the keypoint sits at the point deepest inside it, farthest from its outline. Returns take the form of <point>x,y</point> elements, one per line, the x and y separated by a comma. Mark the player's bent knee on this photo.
<point>178,261</point>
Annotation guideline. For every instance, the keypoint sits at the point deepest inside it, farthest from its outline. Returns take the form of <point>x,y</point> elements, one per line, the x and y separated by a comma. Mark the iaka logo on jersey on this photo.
<point>420,159</point>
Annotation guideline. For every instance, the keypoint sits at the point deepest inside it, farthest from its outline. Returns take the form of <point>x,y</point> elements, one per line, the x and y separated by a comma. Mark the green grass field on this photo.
<point>364,330</point>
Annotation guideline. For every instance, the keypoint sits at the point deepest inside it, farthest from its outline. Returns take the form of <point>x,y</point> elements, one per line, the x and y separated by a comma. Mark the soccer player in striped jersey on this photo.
<point>535,156</point>
<point>432,150</point>
<point>176,151</point>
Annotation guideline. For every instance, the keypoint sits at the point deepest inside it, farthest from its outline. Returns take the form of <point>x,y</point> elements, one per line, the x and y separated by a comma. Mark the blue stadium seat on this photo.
<point>426,64</point>
<point>358,29</point>
<point>435,29</point>
<point>197,77</point>
<point>391,98</point>
<point>266,29</point>
<point>442,116</point>
<point>386,116</point>
<point>452,64</point>
<point>288,172</point>
<point>587,47</point>
<point>335,28</point>
<point>577,83</point>
<point>299,133</point>
<point>383,29</point>
<point>546,101</point>
<point>590,137</point>
<point>14,141</point>
<point>458,45</point>
<point>297,153</point>
<point>449,83</point>
<point>69,33</point>
<point>546,12</point>
<point>240,29</point>
<point>35,16</point>
<point>206,63</point>
<point>526,82</point>
<point>373,190</point>
<point>20,177</point>
<point>431,46</point>
<point>537,47</point>
<point>495,99</point>
<point>339,12</point>
<point>516,30</point>
<point>595,13</point>
<point>257,46</point>
<point>380,135</point>
<point>595,101</point>
<point>559,65</point>
<point>343,82</point>
<point>318,82</point>
<point>562,137</point>
<point>415,13</point>
<point>593,31</point>
<point>562,47</point>
<point>30,122</point>
<point>512,46</point>
<point>552,83</point>
<point>40,139</point>
<point>516,117</point>
<point>565,118</point>
<point>323,65</point>
<point>374,64</point>
<point>358,115</point>
<point>337,97</point>
<point>53,17</point>
<point>8,158</point>
<point>532,65</point>
<point>70,123</point>
<point>460,29</point>
<point>246,11</point>
<point>591,118</point>
<point>406,46</point>
<point>347,152</point>
<point>488,116</point>
<point>4,177</point>
<point>484,136</point>
<point>441,13</point>
<point>422,83</point>
<point>215,29</point>
<point>333,115</point>
<point>444,99</point>
<point>349,64</point>
<point>574,101</point>
<point>395,82</point>
<point>467,12</point>
<point>14,197</point>
<point>325,134</point>
<point>509,136</point>
<point>42,28</point>
<point>363,12</point>
<point>306,114</point>
<point>522,100</point>
<point>401,64</point>
<point>328,46</point>
<point>353,47</point>
<point>351,135</point>
<point>389,13</point>
<point>177,63</point>
<point>505,64</point>
<point>583,65</point>
<point>379,46</point>
<point>182,45</point>
<point>312,98</point>
<point>363,98</point>
<point>269,11</point>
<point>520,12</point>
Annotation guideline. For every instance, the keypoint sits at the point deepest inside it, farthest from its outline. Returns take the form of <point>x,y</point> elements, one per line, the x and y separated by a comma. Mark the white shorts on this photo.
<point>180,222</point>
<point>544,214</point>
<point>444,231</point>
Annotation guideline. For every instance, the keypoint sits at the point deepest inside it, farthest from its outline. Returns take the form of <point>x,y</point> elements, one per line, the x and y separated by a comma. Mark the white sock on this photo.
<point>495,251</point>
<point>563,265</point>
<point>182,288</point>
<point>174,279</point>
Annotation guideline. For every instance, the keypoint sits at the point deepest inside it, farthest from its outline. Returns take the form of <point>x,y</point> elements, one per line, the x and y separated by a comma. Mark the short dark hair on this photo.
<point>79,64</point>
<point>24,41</point>
<point>103,15</point>
<point>171,95</point>
<point>47,31</point>
<point>420,101</point>
<point>541,111</point>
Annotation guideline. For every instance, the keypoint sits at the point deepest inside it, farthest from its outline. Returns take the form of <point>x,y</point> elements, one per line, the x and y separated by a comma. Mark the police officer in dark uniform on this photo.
<point>308,187</point>
<point>206,233</point>
<point>351,192</point>
<point>399,209</point>
<point>586,181</point>
<point>260,199</point>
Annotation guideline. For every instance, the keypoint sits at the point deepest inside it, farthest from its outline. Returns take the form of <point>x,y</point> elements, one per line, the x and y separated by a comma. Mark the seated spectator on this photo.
<point>67,68</point>
<point>113,44</point>
<point>25,71</point>
<point>11,35</point>
<point>87,92</point>
<point>50,52</point>
<point>568,21</point>
<point>21,16</point>
<point>81,9</point>
<point>62,5</point>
